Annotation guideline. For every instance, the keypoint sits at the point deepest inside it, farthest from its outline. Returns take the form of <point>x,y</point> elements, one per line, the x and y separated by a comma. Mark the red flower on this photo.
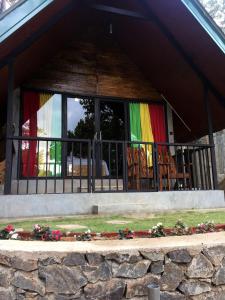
<point>56,235</point>
<point>9,228</point>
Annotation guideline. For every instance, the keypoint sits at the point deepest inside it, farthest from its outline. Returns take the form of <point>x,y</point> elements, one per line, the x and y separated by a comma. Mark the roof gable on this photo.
<point>16,17</point>
<point>206,22</point>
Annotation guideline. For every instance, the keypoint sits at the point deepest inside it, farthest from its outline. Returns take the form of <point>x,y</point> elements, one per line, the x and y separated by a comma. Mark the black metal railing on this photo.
<point>51,165</point>
<point>54,165</point>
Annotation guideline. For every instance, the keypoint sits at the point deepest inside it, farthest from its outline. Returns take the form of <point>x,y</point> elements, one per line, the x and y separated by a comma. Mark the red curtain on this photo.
<point>158,123</point>
<point>29,128</point>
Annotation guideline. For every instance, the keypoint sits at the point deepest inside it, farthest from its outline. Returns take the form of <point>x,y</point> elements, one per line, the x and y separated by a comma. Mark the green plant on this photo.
<point>180,228</point>
<point>157,230</point>
<point>208,226</point>
<point>86,236</point>
<point>7,232</point>
<point>126,234</point>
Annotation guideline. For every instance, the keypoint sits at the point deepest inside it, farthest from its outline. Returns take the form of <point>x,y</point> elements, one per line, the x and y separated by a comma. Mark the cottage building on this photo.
<point>101,100</point>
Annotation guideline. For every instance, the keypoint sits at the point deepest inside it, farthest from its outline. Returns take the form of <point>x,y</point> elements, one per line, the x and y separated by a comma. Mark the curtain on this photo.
<point>29,128</point>
<point>146,130</point>
<point>41,118</point>
<point>135,122</point>
<point>158,123</point>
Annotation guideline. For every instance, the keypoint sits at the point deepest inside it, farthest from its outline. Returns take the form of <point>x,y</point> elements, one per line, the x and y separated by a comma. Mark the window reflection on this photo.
<point>80,118</point>
<point>42,117</point>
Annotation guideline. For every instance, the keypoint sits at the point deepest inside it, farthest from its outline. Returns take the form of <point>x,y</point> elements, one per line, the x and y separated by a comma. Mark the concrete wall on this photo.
<point>14,206</point>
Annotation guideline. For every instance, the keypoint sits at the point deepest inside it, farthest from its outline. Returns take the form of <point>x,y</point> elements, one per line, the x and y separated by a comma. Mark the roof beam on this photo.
<point>119,11</point>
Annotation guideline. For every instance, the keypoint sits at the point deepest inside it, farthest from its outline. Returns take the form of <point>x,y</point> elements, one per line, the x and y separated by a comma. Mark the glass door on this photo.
<point>112,133</point>
<point>80,128</point>
<point>101,121</point>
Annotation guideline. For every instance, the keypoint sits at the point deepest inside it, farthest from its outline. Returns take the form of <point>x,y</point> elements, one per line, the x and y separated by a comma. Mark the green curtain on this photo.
<point>135,122</point>
<point>56,147</point>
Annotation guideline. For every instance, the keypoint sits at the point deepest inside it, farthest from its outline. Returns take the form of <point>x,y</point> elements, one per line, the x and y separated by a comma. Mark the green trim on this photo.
<point>206,22</point>
<point>15,18</point>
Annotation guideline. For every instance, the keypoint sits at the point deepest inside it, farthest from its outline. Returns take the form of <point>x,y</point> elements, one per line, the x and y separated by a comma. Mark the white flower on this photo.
<point>14,236</point>
<point>88,231</point>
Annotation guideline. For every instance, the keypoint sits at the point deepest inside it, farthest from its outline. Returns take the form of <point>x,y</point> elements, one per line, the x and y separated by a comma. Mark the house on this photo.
<point>102,100</point>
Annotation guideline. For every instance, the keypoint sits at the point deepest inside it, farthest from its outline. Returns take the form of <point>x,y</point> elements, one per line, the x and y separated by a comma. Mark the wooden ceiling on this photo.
<point>168,45</point>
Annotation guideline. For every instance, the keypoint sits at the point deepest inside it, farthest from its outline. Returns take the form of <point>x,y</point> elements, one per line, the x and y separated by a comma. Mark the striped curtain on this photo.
<point>42,118</point>
<point>147,124</point>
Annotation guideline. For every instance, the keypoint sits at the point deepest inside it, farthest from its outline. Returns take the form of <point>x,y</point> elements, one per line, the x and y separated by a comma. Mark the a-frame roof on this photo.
<point>174,43</point>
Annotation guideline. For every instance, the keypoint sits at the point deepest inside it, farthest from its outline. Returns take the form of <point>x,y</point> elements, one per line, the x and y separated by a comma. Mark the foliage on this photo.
<point>208,226</point>
<point>7,232</point>
<point>86,236</point>
<point>216,9</point>
<point>181,228</point>
<point>44,233</point>
<point>126,234</point>
<point>158,230</point>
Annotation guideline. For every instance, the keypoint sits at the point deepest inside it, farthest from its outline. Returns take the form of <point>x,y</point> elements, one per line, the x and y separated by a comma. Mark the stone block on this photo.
<point>200,267</point>
<point>62,279</point>
<point>127,270</point>
<point>180,256</point>
<point>194,287</point>
<point>113,290</point>
<point>172,277</point>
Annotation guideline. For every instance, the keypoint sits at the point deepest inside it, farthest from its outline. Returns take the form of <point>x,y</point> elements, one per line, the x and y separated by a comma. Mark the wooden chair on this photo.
<point>168,170</point>
<point>2,172</point>
<point>138,168</point>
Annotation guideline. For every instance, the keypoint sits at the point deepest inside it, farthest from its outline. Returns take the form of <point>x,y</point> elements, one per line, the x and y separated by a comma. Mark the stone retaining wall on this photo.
<point>182,274</point>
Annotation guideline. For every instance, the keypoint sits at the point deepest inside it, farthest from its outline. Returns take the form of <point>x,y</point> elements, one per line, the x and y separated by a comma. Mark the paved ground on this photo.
<point>71,226</point>
<point>197,241</point>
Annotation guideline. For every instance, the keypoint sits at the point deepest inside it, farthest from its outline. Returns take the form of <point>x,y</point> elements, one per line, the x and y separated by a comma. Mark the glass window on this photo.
<point>42,117</point>
<point>80,118</point>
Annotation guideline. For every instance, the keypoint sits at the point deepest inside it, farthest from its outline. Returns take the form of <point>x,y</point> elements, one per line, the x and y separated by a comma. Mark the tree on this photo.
<point>5,4</point>
<point>216,9</point>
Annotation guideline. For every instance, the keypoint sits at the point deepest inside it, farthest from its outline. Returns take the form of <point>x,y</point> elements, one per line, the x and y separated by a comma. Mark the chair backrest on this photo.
<point>137,163</point>
<point>167,163</point>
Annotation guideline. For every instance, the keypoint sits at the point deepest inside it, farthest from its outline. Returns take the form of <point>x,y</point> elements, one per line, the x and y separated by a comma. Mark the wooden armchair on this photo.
<point>168,170</point>
<point>2,172</point>
<point>138,168</point>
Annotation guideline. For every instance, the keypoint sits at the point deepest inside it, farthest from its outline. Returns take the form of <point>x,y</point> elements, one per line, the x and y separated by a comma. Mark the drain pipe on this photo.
<point>153,291</point>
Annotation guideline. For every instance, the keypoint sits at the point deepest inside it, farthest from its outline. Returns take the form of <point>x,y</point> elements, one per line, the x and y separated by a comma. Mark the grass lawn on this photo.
<point>99,223</point>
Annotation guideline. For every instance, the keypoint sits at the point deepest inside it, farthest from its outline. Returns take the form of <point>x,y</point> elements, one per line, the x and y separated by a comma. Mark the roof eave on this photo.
<point>206,22</point>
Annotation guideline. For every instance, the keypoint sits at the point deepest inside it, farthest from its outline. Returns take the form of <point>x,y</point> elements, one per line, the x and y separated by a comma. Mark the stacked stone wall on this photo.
<point>181,273</point>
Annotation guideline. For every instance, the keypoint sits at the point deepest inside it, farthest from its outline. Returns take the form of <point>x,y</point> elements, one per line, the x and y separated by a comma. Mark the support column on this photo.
<point>210,135</point>
<point>9,129</point>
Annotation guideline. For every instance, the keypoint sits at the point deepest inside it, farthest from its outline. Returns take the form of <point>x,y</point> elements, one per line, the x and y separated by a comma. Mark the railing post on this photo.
<point>155,165</point>
<point>9,129</point>
<point>93,166</point>
<point>125,177</point>
<point>210,134</point>
<point>89,166</point>
<point>153,291</point>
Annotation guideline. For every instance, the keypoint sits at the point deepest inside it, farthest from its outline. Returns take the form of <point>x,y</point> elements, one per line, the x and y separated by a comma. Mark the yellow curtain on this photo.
<point>146,130</point>
<point>44,98</point>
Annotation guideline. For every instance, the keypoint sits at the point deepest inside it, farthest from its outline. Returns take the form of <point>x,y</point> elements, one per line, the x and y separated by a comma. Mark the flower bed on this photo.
<point>46,234</point>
